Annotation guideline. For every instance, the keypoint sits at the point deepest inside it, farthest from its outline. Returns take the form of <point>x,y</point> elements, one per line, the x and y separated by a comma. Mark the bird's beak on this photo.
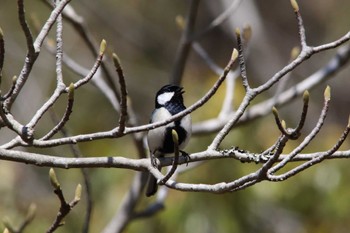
<point>181,91</point>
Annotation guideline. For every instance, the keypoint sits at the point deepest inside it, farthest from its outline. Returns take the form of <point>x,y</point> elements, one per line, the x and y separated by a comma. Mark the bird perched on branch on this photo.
<point>168,102</point>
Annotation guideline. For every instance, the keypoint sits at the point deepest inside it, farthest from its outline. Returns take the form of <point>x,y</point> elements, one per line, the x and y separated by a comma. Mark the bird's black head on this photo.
<point>169,94</point>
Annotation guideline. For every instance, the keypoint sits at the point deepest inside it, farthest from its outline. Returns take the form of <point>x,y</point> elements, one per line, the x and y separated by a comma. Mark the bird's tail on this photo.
<point>152,186</point>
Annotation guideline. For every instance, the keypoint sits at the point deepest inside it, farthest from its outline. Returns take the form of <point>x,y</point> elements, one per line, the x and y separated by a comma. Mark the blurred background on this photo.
<point>145,36</point>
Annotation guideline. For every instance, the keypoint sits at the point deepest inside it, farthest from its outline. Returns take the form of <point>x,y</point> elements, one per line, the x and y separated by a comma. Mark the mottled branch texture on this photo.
<point>111,80</point>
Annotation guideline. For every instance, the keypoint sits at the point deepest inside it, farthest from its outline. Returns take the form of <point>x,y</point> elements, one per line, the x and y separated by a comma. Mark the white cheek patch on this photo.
<point>165,97</point>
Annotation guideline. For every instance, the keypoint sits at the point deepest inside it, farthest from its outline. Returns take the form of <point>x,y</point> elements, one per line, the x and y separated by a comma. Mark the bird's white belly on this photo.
<point>156,136</point>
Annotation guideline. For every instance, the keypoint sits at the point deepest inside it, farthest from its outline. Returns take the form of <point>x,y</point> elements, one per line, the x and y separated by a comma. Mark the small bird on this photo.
<point>168,102</point>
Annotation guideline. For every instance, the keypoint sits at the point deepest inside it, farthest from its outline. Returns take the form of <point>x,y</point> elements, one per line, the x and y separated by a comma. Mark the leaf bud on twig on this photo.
<point>53,179</point>
<point>175,137</point>
<point>180,21</point>
<point>247,33</point>
<point>238,32</point>
<point>295,5</point>
<point>234,54</point>
<point>103,46</point>
<point>306,96</point>
<point>77,195</point>
<point>31,211</point>
<point>327,93</point>
<point>71,91</point>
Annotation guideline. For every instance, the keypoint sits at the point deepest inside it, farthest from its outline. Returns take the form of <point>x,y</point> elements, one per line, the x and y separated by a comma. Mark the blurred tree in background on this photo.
<point>149,38</point>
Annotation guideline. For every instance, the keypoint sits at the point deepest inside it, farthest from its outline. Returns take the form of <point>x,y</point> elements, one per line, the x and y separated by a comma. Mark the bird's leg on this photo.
<point>154,161</point>
<point>186,155</point>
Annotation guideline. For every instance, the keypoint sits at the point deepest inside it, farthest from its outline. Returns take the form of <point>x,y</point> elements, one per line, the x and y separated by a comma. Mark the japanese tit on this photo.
<point>168,102</point>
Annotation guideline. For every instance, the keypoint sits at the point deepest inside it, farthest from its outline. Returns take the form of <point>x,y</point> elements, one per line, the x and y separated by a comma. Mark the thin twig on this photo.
<point>241,60</point>
<point>184,47</point>
<point>130,130</point>
<point>126,210</point>
<point>12,88</point>
<point>65,207</point>
<point>59,50</point>
<point>278,122</point>
<point>24,132</point>
<point>97,81</point>
<point>79,24</point>
<point>59,161</point>
<point>263,108</point>
<point>31,58</point>
<point>123,93</point>
<point>293,134</point>
<point>303,113</point>
<point>61,88</point>
<point>65,118</point>
<point>93,70</point>
<point>226,108</point>
<point>176,159</point>
<point>312,161</point>
<point>219,19</point>
<point>301,29</point>
<point>28,219</point>
<point>25,27</point>
<point>280,145</point>
<point>306,53</point>
<point>307,139</point>
<point>87,184</point>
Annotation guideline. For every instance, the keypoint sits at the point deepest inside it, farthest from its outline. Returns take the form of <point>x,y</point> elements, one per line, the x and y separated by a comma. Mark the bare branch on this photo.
<point>124,94</point>
<point>307,139</point>
<point>241,61</point>
<point>128,130</point>
<point>9,93</point>
<point>28,219</point>
<point>65,207</point>
<point>312,161</point>
<point>271,159</point>
<point>303,113</point>
<point>263,108</point>
<point>25,27</point>
<point>31,58</point>
<point>252,93</point>
<point>126,213</point>
<point>92,72</point>
<point>65,118</point>
<point>24,132</point>
<point>59,50</point>
<point>97,81</point>
<point>280,124</point>
<point>61,88</point>
<point>219,19</point>
<point>226,108</point>
<point>184,47</point>
<point>293,133</point>
<point>302,36</point>
<point>280,145</point>
<point>79,24</point>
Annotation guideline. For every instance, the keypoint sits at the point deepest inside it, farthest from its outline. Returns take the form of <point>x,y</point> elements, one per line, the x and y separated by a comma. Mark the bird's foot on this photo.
<point>186,155</point>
